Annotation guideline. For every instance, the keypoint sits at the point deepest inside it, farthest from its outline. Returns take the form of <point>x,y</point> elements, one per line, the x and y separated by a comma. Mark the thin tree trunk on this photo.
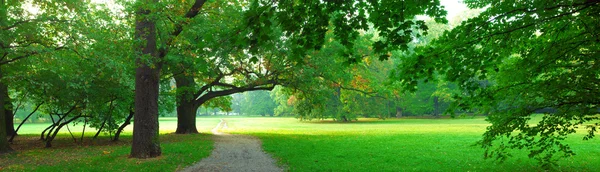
<point>146,143</point>
<point>436,106</point>
<point>22,122</point>
<point>55,125</point>
<point>127,122</point>
<point>186,106</point>
<point>83,132</point>
<point>73,136</point>
<point>44,131</point>
<point>101,127</point>
<point>60,125</point>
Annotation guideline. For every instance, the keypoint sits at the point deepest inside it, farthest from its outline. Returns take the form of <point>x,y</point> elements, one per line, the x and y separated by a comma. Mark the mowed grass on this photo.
<point>179,151</point>
<point>394,145</point>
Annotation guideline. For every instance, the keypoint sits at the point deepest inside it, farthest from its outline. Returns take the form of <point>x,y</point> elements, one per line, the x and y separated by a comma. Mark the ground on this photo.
<point>369,144</point>
<point>235,153</point>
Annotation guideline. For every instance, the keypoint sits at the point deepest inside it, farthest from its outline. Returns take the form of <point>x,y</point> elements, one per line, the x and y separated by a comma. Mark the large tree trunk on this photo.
<point>8,111</point>
<point>186,118</point>
<point>186,106</point>
<point>4,146</point>
<point>146,143</point>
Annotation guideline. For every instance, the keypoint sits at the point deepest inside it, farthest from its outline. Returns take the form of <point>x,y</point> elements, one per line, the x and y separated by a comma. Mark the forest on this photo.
<point>116,70</point>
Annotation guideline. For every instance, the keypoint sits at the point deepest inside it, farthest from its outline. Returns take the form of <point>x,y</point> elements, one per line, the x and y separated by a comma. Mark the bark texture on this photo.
<point>186,106</point>
<point>4,146</point>
<point>8,111</point>
<point>146,143</point>
<point>398,112</point>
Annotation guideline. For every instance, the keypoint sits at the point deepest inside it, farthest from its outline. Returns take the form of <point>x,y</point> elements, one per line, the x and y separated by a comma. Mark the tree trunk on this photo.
<point>100,129</point>
<point>398,112</point>
<point>4,146</point>
<point>127,122</point>
<point>23,121</point>
<point>186,106</point>
<point>186,118</point>
<point>10,123</point>
<point>58,127</point>
<point>436,106</point>
<point>146,143</point>
<point>8,111</point>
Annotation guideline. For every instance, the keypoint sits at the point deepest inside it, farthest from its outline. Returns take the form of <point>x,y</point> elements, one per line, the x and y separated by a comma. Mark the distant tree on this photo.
<point>258,103</point>
<point>283,102</point>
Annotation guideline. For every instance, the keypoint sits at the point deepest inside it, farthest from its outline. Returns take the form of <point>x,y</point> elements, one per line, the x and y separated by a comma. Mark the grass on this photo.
<point>394,145</point>
<point>366,145</point>
<point>179,151</point>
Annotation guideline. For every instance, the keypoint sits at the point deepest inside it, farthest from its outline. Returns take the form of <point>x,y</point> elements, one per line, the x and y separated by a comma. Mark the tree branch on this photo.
<point>370,94</point>
<point>16,24</point>
<point>26,55</point>
<point>252,87</point>
<point>192,12</point>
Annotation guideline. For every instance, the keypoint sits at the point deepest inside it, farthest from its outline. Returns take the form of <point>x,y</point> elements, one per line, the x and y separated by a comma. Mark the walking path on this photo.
<point>235,153</point>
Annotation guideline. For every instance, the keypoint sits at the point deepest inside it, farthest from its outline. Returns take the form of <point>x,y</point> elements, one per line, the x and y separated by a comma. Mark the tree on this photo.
<point>256,38</point>
<point>283,102</point>
<point>514,59</point>
<point>4,146</point>
<point>293,18</point>
<point>66,84</point>
<point>25,34</point>
<point>258,103</point>
<point>147,76</point>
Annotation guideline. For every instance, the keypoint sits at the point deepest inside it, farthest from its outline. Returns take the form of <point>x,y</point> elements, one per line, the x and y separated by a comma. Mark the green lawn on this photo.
<point>393,145</point>
<point>366,145</point>
<point>179,151</point>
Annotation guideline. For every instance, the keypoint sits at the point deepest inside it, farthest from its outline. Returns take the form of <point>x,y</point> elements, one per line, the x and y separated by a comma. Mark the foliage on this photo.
<point>258,103</point>
<point>70,62</point>
<point>283,102</point>
<point>514,59</point>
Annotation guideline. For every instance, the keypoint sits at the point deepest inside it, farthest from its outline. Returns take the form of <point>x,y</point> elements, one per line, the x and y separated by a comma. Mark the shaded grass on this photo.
<point>394,145</point>
<point>179,151</point>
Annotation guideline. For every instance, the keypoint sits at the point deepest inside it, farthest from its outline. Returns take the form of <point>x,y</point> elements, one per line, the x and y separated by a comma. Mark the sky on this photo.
<point>454,7</point>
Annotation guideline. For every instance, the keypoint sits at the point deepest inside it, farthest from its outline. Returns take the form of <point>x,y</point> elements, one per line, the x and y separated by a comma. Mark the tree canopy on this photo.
<point>104,65</point>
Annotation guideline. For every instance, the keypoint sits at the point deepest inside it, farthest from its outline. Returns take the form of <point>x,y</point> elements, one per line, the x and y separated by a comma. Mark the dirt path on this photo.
<point>235,153</point>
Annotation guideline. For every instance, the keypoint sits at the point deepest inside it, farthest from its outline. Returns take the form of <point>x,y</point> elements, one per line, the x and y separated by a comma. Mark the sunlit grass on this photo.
<point>394,145</point>
<point>179,151</point>
<point>167,125</point>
